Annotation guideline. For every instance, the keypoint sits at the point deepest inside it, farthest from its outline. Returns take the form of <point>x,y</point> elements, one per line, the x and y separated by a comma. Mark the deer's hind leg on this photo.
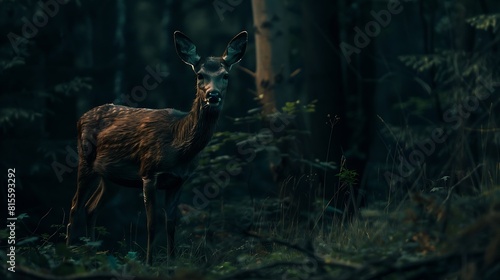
<point>87,182</point>
<point>92,207</point>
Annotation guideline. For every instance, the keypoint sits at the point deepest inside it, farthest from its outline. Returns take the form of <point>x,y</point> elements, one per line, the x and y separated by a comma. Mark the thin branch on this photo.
<point>295,72</point>
<point>458,183</point>
<point>41,219</point>
<point>246,70</point>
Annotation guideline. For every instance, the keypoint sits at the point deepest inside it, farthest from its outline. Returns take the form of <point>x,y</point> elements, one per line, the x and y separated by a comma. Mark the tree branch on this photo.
<point>246,70</point>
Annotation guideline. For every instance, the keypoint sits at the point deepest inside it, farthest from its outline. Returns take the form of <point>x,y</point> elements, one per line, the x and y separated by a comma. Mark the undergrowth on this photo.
<point>429,235</point>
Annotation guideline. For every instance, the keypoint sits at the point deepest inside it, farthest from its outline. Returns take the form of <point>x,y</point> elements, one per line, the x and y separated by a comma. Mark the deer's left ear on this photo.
<point>236,48</point>
<point>186,49</point>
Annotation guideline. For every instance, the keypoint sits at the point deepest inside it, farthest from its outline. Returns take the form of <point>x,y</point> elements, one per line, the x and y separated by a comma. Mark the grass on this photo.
<point>427,236</point>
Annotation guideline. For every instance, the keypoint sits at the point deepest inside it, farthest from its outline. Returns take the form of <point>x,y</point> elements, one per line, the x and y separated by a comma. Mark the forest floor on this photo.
<point>438,235</point>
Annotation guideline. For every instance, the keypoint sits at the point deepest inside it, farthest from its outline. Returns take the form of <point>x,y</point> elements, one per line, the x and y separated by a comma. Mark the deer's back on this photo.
<point>124,142</point>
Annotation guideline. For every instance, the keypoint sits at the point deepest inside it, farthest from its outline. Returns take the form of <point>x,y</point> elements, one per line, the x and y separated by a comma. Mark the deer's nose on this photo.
<point>213,97</point>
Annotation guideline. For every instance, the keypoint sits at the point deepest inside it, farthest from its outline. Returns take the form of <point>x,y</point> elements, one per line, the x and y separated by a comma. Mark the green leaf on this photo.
<point>131,255</point>
<point>22,216</point>
<point>113,262</point>
<point>347,176</point>
<point>27,240</point>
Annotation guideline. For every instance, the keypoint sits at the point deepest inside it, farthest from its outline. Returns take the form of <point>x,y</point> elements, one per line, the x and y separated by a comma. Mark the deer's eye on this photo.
<point>199,76</point>
<point>226,76</point>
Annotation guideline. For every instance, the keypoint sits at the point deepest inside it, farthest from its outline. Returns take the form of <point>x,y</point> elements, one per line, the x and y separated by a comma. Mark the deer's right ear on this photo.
<point>236,48</point>
<point>186,49</point>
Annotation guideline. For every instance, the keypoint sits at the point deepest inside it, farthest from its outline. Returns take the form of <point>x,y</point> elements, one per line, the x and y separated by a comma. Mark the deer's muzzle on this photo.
<point>213,98</point>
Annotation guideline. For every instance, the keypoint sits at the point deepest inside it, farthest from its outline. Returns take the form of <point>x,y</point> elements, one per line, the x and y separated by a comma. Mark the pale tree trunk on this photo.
<point>272,79</point>
<point>271,47</point>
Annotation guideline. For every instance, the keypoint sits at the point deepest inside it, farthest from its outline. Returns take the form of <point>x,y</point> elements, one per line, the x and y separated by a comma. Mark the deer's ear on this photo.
<point>186,49</point>
<point>236,48</point>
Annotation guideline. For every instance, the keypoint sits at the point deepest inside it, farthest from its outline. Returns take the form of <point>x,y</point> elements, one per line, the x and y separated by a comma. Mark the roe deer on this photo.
<point>149,148</point>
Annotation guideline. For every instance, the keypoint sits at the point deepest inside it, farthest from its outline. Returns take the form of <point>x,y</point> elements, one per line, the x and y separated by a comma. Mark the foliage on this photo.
<point>459,98</point>
<point>219,154</point>
<point>27,95</point>
<point>431,233</point>
<point>347,176</point>
<point>10,116</point>
<point>484,22</point>
<point>74,86</point>
<point>293,108</point>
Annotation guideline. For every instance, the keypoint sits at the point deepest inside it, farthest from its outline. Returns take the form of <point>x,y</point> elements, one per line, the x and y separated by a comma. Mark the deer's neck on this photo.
<point>196,129</point>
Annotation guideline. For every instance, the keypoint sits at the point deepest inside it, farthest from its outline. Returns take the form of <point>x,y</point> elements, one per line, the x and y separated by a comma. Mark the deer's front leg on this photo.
<point>171,203</point>
<point>149,190</point>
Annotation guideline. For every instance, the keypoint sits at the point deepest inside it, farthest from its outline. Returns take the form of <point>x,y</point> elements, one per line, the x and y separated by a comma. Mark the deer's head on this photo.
<point>212,73</point>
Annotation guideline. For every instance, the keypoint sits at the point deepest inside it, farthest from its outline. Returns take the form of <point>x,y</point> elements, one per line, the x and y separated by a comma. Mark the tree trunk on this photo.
<point>272,78</point>
<point>271,47</point>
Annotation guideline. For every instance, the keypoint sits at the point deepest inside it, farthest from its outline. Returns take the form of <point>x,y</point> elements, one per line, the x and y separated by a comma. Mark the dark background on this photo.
<point>408,81</point>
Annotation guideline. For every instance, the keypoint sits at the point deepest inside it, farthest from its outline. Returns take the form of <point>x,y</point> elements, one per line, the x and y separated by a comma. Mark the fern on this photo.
<point>15,61</point>
<point>8,116</point>
<point>484,22</point>
<point>293,108</point>
<point>75,85</point>
<point>422,63</point>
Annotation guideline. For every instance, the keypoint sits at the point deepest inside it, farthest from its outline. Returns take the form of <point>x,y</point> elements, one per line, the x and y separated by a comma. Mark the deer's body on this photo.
<point>149,148</point>
<point>130,145</point>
